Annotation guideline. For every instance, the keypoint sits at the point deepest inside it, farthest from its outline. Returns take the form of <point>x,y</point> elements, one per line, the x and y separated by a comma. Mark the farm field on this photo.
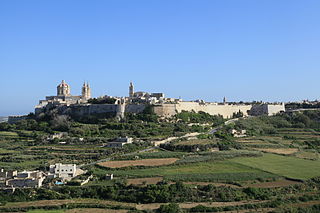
<point>273,184</point>
<point>265,171</point>
<point>204,171</point>
<point>286,166</point>
<point>197,141</point>
<point>144,162</point>
<point>142,181</point>
<point>284,151</point>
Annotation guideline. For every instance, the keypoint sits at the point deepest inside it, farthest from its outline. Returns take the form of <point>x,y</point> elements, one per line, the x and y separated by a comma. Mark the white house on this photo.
<point>64,171</point>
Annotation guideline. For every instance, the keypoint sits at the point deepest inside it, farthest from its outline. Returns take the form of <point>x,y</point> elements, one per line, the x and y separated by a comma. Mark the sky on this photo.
<point>194,49</point>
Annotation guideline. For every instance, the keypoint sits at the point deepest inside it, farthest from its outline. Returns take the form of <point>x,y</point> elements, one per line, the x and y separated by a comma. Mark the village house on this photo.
<point>64,171</point>
<point>119,142</point>
<point>26,179</point>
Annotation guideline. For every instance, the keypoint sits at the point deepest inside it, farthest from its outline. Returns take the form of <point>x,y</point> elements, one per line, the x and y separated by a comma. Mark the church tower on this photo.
<point>86,91</point>
<point>131,90</point>
<point>63,89</point>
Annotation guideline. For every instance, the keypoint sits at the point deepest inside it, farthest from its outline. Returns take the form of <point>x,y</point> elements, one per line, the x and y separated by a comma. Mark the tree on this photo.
<point>61,123</point>
<point>170,208</point>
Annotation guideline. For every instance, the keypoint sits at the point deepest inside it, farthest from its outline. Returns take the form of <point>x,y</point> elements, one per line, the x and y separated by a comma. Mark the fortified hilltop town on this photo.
<point>66,104</point>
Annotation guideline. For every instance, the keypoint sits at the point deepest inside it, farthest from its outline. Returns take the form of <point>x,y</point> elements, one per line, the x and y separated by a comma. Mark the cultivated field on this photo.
<point>144,162</point>
<point>142,181</point>
<point>273,184</point>
<point>286,166</point>
<point>284,151</point>
<point>220,171</point>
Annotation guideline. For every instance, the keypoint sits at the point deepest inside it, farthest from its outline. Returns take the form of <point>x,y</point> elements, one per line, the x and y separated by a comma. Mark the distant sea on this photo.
<point>3,119</point>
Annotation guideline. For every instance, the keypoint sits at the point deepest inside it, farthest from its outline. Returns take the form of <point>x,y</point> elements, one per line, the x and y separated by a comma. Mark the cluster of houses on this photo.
<point>34,179</point>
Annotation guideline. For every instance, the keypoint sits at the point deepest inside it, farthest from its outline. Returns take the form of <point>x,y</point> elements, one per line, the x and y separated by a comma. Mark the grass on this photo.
<point>6,134</point>
<point>156,154</point>
<point>197,141</point>
<point>286,166</point>
<point>203,171</point>
<point>27,164</point>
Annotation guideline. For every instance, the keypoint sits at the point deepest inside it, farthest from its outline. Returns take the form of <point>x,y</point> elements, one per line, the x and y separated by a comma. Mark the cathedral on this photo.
<point>64,96</point>
<point>65,103</point>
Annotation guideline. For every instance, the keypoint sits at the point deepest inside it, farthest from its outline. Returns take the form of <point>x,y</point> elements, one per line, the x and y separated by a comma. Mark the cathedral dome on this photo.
<point>63,89</point>
<point>63,84</point>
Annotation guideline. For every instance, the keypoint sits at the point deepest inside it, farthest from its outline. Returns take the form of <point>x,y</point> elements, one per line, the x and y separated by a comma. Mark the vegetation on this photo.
<point>287,166</point>
<point>210,168</point>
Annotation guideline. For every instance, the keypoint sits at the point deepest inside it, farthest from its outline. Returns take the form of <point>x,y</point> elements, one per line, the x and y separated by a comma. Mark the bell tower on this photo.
<point>86,91</point>
<point>131,90</point>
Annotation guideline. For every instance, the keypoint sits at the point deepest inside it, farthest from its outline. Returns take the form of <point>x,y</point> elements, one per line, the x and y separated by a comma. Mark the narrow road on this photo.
<point>212,131</point>
<point>167,140</point>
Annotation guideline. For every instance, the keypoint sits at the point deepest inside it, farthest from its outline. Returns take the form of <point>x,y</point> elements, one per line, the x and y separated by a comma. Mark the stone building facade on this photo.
<point>67,104</point>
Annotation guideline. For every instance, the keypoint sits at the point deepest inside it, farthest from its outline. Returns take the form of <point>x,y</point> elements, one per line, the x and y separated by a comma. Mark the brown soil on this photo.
<point>141,181</point>
<point>144,162</point>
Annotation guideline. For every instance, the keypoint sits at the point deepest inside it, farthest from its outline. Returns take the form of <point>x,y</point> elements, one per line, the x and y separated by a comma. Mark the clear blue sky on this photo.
<point>201,49</point>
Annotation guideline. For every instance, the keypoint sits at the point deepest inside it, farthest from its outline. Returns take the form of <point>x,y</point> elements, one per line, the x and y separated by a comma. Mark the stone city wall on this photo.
<point>92,109</point>
<point>226,111</point>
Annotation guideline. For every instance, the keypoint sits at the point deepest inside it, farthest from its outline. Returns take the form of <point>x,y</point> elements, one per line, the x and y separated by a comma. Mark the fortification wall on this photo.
<point>276,108</point>
<point>226,111</point>
<point>135,108</point>
<point>165,110</point>
<point>91,109</point>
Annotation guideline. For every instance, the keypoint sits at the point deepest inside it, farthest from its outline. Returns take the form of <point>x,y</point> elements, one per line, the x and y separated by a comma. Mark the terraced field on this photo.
<point>204,171</point>
<point>286,166</point>
<point>144,162</point>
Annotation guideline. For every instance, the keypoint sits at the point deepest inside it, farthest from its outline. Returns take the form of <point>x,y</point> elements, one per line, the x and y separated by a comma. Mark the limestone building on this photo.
<point>108,106</point>
<point>64,97</point>
<point>63,171</point>
<point>63,89</point>
<point>86,91</point>
<point>131,90</point>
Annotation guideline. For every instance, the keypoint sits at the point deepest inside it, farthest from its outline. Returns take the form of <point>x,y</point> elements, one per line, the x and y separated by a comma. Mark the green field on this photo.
<point>203,171</point>
<point>5,133</point>
<point>286,166</point>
